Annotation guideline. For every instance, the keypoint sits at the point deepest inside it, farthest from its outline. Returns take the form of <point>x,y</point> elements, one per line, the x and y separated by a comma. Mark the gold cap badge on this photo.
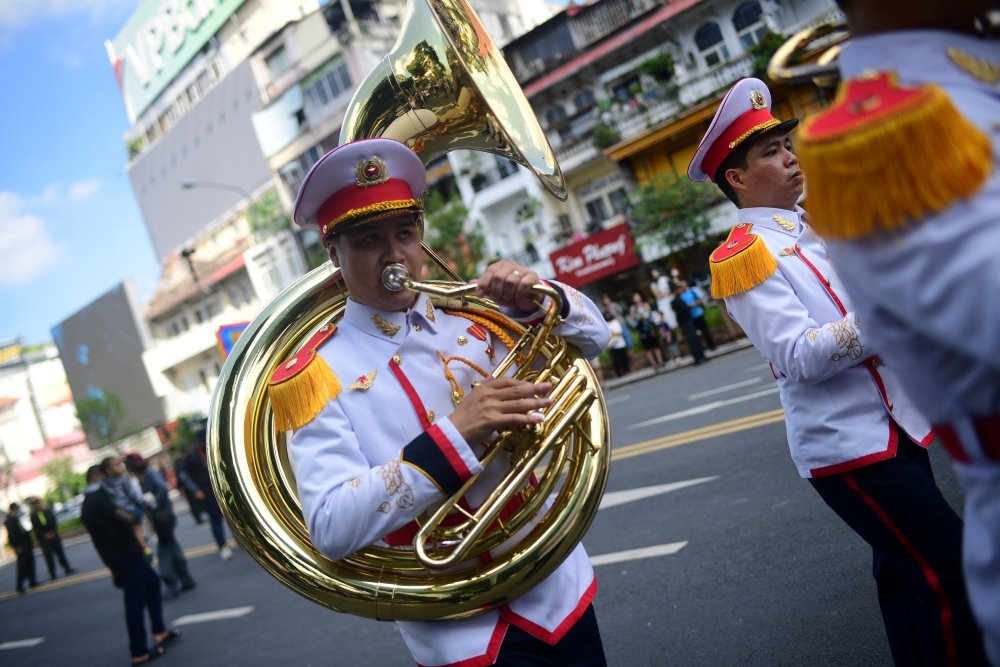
<point>757,99</point>
<point>370,172</point>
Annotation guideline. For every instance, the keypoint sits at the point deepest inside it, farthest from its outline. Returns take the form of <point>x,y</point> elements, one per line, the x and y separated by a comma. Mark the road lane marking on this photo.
<point>722,390</point>
<point>698,434</point>
<point>22,643</point>
<point>636,554</point>
<point>615,498</point>
<point>618,399</point>
<point>705,407</point>
<point>221,614</point>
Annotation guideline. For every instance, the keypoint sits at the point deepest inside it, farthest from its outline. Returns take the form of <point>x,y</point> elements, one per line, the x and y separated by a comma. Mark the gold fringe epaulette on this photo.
<point>301,386</point>
<point>883,156</point>
<point>741,263</point>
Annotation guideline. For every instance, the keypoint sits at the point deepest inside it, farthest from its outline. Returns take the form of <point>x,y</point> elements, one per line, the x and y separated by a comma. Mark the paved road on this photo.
<point>709,551</point>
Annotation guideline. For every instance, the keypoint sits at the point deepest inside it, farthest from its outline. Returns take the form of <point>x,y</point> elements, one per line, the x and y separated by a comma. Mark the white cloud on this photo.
<point>81,190</point>
<point>57,193</point>
<point>25,246</point>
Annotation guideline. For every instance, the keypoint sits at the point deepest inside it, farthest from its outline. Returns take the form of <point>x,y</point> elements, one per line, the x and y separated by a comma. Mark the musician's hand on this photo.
<point>499,403</point>
<point>509,284</point>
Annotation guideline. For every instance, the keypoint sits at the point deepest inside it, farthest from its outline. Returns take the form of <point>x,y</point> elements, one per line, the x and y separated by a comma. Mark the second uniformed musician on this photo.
<point>404,429</point>
<point>851,431</point>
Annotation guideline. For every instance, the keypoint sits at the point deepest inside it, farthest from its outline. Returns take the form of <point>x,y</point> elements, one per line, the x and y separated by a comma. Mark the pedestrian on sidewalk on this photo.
<point>169,554</point>
<point>686,324</point>
<point>695,300</point>
<point>640,318</point>
<point>46,529</point>
<point>617,347</point>
<point>852,432</point>
<point>19,540</point>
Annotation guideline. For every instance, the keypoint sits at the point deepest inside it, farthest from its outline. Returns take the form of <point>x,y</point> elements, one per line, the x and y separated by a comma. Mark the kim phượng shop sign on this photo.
<point>158,40</point>
<point>602,254</point>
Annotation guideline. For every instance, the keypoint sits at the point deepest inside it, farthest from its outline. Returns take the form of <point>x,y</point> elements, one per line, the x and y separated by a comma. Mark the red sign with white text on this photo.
<point>602,254</point>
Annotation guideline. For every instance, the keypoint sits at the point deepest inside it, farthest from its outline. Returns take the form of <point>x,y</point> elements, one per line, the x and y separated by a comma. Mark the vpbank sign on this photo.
<point>157,42</point>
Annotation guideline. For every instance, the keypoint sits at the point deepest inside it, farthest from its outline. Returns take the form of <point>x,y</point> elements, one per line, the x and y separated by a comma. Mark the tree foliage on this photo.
<point>660,67</point>
<point>102,417</point>
<point>761,53</point>
<point>674,211</point>
<point>186,432</point>
<point>267,216</point>
<point>447,234</point>
<point>64,482</point>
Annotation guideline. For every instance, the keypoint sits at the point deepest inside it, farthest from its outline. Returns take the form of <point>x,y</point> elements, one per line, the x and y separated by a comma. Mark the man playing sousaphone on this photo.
<point>390,406</point>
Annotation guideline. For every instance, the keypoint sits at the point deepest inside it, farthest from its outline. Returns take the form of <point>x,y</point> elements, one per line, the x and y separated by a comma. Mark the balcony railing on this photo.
<point>484,179</point>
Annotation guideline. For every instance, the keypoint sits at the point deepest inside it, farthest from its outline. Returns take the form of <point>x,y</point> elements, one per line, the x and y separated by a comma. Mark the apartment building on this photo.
<point>624,90</point>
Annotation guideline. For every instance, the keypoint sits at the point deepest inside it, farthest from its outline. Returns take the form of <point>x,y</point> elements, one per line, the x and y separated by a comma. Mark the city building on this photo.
<point>37,419</point>
<point>203,185</point>
<point>624,90</point>
<point>231,103</point>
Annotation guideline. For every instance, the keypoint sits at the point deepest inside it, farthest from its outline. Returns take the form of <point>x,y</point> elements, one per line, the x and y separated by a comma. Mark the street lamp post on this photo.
<point>192,185</point>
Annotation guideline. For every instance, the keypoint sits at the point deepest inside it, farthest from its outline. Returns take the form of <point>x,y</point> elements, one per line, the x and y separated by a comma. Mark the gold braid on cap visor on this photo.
<point>766,125</point>
<point>371,210</point>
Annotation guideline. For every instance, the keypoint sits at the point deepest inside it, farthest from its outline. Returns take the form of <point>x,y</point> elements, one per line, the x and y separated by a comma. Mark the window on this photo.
<point>619,200</point>
<point>277,62</point>
<point>749,24</point>
<point>329,83</point>
<point>564,224</point>
<point>554,114</point>
<point>505,167</point>
<point>710,43</point>
<point>583,100</point>
<point>597,212</point>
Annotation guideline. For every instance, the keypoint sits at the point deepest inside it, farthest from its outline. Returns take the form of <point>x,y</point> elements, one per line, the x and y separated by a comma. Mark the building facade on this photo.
<point>38,421</point>
<point>624,90</point>
<point>231,103</point>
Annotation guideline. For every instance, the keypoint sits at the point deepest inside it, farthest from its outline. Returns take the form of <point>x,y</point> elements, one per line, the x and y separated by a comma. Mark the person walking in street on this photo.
<point>193,473</point>
<point>917,120</point>
<point>371,455</point>
<point>46,529</point>
<point>852,431</point>
<point>19,540</point>
<point>170,557</point>
<point>112,531</point>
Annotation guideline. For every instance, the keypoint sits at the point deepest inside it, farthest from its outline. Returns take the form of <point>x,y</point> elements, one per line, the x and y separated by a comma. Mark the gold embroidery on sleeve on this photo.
<point>812,335</point>
<point>583,317</point>
<point>847,340</point>
<point>395,486</point>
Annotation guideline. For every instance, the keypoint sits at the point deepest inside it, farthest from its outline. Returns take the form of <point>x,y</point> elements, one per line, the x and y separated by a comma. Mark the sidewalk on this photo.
<point>683,362</point>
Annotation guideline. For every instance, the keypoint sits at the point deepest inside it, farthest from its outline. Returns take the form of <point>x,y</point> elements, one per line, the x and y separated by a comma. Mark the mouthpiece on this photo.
<point>393,277</point>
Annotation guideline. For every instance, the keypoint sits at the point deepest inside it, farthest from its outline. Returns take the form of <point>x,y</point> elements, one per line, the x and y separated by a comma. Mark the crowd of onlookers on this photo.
<point>127,511</point>
<point>663,321</point>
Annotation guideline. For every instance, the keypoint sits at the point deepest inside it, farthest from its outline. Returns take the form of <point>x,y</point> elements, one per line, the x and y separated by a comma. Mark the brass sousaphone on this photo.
<point>443,86</point>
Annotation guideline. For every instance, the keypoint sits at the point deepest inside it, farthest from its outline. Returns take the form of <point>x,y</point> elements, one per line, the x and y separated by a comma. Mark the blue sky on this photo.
<point>70,228</point>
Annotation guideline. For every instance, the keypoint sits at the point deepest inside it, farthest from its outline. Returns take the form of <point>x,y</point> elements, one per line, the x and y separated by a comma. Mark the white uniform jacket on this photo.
<point>932,291</point>
<point>839,398</point>
<point>385,449</point>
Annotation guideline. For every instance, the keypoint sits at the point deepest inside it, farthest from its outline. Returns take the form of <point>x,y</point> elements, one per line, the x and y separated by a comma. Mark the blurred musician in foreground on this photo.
<point>851,431</point>
<point>904,187</point>
<point>405,401</point>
